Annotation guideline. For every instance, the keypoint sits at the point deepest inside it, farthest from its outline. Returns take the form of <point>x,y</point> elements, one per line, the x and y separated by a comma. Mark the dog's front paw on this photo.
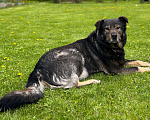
<point>143,69</point>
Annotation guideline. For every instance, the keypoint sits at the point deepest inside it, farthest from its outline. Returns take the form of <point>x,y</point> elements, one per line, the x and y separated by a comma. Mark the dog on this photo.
<point>64,67</point>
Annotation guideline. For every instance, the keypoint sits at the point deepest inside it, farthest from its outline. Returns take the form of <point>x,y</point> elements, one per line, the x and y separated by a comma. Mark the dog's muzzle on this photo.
<point>114,38</point>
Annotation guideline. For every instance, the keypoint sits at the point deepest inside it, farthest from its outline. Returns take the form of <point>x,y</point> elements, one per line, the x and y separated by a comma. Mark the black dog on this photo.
<point>101,51</point>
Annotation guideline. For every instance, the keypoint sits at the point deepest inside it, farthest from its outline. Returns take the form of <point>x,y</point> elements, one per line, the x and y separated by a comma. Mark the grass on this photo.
<point>27,32</point>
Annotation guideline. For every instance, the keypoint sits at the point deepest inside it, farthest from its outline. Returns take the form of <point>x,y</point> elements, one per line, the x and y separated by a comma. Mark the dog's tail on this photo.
<point>17,98</point>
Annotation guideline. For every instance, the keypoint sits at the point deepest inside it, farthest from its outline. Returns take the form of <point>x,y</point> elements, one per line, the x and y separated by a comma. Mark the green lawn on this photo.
<point>27,32</point>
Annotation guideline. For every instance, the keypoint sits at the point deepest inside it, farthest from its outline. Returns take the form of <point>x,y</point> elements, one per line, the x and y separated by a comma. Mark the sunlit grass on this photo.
<point>27,32</point>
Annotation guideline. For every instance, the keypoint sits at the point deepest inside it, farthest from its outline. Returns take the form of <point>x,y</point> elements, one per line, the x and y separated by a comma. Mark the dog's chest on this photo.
<point>118,59</point>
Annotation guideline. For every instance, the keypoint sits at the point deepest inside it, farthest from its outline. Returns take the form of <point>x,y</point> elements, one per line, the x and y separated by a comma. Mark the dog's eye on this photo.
<point>118,28</point>
<point>107,29</point>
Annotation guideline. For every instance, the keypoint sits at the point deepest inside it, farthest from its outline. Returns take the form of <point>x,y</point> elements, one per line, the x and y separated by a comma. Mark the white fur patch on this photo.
<point>63,53</point>
<point>18,92</point>
<point>84,74</point>
<point>74,50</point>
<point>41,86</point>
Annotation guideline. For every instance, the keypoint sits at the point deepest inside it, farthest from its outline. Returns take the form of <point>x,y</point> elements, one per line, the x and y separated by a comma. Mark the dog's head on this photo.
<point>112,31</point>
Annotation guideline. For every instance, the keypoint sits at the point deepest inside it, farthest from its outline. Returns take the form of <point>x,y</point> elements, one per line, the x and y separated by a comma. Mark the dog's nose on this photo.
<point>114,35</point>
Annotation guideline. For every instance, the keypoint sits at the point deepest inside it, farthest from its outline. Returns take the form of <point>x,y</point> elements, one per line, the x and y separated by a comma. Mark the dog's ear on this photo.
<point>123,19</point>
<point>97,25</point>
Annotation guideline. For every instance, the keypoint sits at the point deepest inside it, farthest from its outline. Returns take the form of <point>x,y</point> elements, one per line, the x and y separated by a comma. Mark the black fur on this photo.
<point>101,51</point>
<point>17,98</point>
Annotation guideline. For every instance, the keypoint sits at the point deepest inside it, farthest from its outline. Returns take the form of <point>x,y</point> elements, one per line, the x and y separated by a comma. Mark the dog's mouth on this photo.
<point>114,40</point>
<point>117,40</point>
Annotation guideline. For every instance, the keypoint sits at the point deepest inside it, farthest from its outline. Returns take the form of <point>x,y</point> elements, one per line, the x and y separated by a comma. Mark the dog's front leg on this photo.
<point>134,69</point>
<point>136,63</point>
<point>143,69</point>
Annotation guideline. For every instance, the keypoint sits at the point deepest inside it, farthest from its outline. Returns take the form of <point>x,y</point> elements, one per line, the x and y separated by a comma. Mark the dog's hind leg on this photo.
<point>136,63</point>
<point>88,82</point>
